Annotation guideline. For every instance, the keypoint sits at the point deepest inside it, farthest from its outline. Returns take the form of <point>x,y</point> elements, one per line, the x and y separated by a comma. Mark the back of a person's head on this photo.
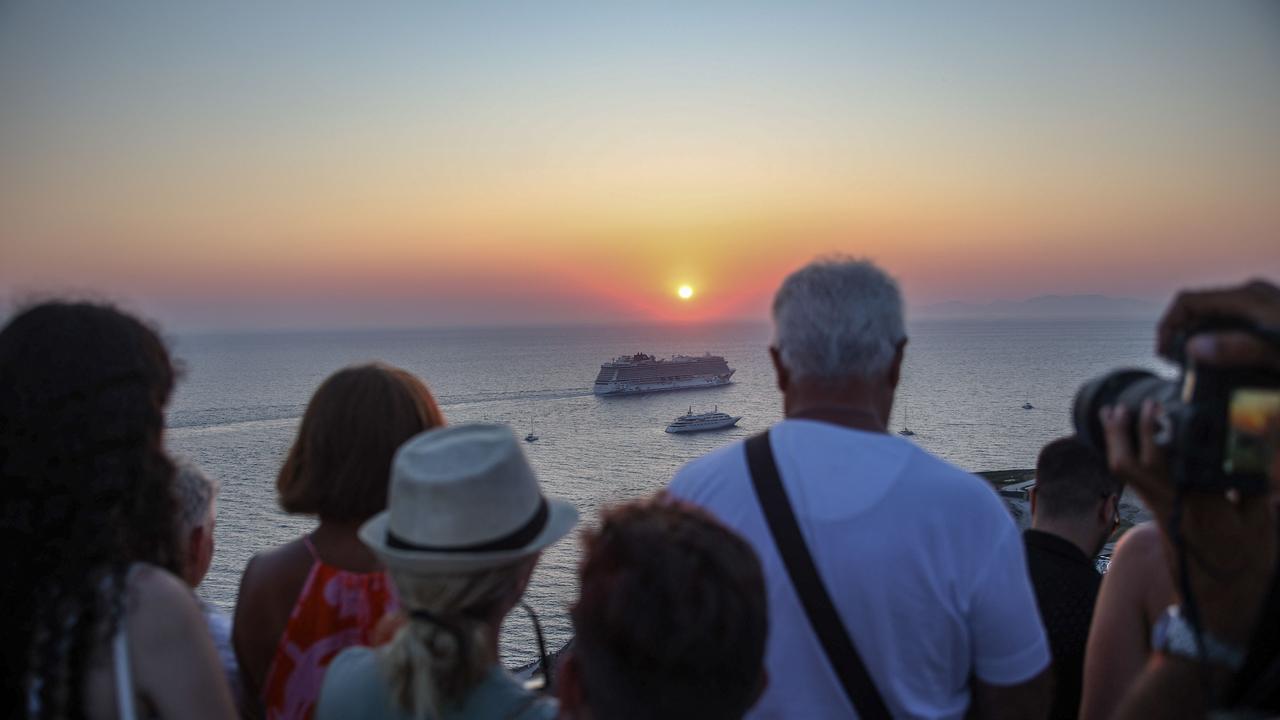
<point>340,462</point>
<point>85,488</point>
<point>838,318</point>
<point>433,664</point>
<point>196,492</point>
<point>671,619</point>
<point>1071,478</point>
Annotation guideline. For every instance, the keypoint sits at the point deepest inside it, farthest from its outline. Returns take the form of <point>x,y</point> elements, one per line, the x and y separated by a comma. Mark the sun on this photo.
<point>685,292</point>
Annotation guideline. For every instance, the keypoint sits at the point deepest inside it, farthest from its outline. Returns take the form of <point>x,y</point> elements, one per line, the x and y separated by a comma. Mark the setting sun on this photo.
<point>685,292</point>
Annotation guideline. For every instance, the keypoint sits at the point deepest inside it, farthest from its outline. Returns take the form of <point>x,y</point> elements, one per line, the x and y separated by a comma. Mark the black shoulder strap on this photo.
<point>826,623</point>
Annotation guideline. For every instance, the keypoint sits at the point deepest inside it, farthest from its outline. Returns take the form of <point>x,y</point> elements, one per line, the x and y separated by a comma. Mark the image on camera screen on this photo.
<point>1250,413</point>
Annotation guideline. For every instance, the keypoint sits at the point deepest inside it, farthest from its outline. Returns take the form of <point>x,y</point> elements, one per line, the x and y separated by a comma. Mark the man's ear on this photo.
<point>784,377</point>
<point>1031,497</point>
<point>895,367</point>
<point>573,703</point>
<point>1109,510</point>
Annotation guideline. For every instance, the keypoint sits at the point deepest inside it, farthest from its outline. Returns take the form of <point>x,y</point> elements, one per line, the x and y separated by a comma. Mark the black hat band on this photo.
<point>514,540</point>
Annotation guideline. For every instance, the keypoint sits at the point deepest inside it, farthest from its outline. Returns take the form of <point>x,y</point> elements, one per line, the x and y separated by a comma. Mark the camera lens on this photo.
<point>1128,388</point>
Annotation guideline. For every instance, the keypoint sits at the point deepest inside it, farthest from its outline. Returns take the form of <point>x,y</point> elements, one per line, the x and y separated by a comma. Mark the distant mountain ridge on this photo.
<point>1046,306</point>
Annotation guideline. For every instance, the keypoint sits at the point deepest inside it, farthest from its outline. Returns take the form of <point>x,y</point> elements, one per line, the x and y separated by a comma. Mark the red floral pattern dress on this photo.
<point>335,610</point>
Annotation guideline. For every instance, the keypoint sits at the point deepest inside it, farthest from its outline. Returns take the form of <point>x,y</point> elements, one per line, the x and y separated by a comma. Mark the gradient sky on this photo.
<point>295,164</point>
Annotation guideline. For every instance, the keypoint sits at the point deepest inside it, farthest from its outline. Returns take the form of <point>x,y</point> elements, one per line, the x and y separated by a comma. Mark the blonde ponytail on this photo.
<point>446,647</point>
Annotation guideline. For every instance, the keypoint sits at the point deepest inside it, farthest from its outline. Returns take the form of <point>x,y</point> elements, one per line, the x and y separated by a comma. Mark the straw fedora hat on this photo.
<point>464,498</point>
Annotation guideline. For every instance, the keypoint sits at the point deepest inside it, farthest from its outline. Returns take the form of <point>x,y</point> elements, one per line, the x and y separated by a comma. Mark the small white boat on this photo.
<point>689,422</point>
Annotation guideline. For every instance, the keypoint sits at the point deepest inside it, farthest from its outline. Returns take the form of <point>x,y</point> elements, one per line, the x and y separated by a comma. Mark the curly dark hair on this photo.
<point>671,617</point>
<point>85,491</point>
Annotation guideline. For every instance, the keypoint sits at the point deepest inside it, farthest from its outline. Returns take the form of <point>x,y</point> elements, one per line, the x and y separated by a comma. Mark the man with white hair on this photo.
<point>196,494</point>
<point>897,583</point>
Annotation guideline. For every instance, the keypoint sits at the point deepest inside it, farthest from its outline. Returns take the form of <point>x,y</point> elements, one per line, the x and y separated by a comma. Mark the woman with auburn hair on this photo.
<point>95,622</point>
<point>302,602</point>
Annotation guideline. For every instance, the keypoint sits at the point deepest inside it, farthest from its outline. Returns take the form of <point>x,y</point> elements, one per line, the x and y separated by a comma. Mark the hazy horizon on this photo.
<point>1014,310</point>
<point>236,165</point>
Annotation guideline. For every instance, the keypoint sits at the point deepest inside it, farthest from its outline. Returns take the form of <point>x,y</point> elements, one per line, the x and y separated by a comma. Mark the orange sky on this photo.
<point>465,165</point>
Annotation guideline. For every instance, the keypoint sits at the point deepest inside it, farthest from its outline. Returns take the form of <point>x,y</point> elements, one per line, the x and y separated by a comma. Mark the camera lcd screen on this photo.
<point>1253,411</point>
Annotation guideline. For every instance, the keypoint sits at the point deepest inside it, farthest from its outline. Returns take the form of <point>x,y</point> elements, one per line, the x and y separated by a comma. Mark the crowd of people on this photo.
<point>825,568</point>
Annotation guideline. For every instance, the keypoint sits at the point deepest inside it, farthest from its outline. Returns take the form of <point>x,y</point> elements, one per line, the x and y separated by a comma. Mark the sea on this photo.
<point>238,404</point>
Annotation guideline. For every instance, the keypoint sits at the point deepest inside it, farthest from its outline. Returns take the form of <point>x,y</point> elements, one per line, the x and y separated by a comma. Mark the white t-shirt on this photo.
<point>921,559</point>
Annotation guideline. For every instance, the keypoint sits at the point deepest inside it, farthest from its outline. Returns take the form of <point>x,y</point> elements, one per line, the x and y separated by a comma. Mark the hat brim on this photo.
<point>561,518</point>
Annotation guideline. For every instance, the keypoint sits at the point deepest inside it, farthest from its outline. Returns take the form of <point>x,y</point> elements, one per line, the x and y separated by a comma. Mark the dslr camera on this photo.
<point>1213,421</point>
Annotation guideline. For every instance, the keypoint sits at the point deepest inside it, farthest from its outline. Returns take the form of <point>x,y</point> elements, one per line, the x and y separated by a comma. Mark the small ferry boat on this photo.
<point>1028,406</point>
<point>689,422</point>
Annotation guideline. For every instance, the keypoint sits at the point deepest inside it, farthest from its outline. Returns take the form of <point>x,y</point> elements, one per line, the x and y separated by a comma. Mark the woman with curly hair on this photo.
<point>304,601</point>
<point>95,623</point>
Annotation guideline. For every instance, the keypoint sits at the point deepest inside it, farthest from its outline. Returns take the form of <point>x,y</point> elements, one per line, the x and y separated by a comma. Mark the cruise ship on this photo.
<point>641,373</point>
<point>702,421</point>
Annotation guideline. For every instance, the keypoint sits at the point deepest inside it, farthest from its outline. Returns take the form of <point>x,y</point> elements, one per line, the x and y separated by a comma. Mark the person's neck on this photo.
<point>1082,535</point>
<point>855,404</point>
<point>338,544</point>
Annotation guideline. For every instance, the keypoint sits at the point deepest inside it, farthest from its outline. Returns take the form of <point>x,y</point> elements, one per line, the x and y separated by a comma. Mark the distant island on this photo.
<point>1091,307</point>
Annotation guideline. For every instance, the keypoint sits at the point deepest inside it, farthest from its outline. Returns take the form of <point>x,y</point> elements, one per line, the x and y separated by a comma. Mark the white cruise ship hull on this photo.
<point>622,387</point>
<point>699,427</point>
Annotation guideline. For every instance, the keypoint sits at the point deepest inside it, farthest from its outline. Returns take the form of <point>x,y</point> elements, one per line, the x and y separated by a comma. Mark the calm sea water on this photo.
<point>239,402</point>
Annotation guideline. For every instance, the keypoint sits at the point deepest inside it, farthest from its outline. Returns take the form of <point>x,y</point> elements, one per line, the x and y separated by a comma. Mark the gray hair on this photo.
<point>837,318</point>
<point>195,492</point>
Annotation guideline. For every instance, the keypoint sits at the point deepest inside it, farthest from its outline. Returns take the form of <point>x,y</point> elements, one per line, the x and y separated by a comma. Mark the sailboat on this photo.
<point>906,431</point>
<point>530,437</point>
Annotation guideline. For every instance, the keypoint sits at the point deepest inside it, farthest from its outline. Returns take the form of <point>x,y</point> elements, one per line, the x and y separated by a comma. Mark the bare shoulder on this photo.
<point>271,582</point>
<point>1140,563</point>
<point>274,570</point>
<point>159,597</point>
<point>290,555</point>
<point>1141,546</point>
<point>159,614</point>
<point>161,610</point>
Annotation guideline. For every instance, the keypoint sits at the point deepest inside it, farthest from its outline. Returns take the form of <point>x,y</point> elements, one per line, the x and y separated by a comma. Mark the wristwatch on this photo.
<point>1174,635</point>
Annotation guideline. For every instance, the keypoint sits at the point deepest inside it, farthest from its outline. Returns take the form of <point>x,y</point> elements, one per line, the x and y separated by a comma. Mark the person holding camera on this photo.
<point>1205,460</point>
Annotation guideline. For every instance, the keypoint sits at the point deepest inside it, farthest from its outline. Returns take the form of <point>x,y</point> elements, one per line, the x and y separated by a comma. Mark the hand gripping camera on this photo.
<point>1214,422</point>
